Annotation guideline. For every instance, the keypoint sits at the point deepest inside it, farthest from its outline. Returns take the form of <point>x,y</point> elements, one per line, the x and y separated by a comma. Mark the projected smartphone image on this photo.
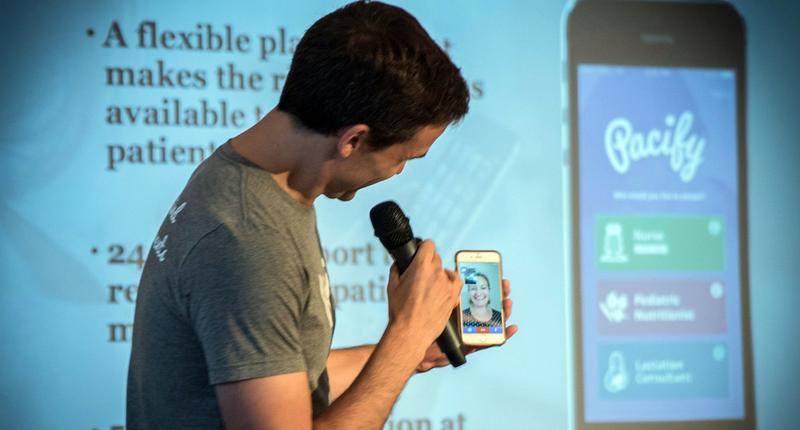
<point>658,236</point>
<point>481,310</point>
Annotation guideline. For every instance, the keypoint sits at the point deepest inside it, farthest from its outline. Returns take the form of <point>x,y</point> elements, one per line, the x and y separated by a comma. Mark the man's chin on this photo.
<point>346,196</point>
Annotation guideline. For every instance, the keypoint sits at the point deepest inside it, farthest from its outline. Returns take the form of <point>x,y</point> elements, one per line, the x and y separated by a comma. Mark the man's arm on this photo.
<point>344,365</point>
<point>274,402</point>
<point>367,402</point>
<point>419,307</point>
<point>288,394</point>
<point>284,401</point>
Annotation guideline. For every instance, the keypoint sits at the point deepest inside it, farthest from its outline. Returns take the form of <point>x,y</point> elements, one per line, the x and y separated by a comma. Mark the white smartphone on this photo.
<point>480,315</point>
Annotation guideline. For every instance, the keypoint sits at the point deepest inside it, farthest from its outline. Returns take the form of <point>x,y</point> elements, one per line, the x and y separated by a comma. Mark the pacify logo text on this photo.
<point>676,141</point>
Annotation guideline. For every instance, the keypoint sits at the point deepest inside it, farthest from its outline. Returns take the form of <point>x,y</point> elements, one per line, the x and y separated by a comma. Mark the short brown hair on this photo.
<point>372,63</point>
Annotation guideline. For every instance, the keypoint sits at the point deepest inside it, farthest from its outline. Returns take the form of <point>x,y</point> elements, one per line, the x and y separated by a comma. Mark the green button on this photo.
<point>672,243</point>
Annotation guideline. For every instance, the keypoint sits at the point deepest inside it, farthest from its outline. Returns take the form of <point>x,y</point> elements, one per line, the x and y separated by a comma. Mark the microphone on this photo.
<point>392,228</point>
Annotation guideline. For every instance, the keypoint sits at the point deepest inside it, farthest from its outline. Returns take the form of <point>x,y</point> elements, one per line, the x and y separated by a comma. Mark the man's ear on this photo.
<point>351,138</point>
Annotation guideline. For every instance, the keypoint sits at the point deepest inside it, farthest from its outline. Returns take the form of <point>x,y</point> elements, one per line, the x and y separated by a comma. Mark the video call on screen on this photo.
<point>481,283</point>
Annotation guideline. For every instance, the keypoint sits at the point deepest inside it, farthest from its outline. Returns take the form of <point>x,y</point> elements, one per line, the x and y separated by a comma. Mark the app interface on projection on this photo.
<point>659,244</point>
<point>481,300</point>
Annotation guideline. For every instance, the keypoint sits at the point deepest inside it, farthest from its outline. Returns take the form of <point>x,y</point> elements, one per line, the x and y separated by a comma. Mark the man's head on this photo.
<point>356,165</point>
<point>372,64</point>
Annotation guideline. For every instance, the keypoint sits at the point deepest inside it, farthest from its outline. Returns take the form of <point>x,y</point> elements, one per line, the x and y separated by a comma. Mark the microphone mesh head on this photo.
<point>390,224</point>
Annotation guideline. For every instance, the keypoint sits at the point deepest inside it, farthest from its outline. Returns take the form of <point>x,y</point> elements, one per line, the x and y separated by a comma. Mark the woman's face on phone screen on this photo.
<point>479,292</point>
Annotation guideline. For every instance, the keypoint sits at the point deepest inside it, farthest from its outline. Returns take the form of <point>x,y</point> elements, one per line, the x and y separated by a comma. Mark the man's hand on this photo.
<point>434,357</point>
<point>422,299</point>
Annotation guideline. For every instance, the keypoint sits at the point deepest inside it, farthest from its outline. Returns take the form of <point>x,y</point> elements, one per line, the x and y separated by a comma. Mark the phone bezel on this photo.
<point>703,35</point>
<point>481,256</point>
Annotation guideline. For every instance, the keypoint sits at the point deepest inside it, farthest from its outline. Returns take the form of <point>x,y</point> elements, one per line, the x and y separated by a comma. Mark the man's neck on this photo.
<point>290,154</point>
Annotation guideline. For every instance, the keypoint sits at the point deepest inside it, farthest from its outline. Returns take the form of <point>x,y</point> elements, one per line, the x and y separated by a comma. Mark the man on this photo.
<point>233,318</point>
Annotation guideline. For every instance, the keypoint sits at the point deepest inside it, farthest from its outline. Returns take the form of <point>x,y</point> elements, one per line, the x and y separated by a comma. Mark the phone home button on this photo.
<point>483,338</point>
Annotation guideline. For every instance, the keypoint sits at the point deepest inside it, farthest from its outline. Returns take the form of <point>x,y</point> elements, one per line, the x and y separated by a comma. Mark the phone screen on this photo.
<point>481,298</point>
<point>659,254</point>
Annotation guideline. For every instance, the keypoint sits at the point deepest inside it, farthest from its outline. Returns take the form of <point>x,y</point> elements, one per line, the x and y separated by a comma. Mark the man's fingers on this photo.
<point>455,282</point>
<point>437,261</point>
<point>453,277</point>
<point>393,274</point>
<point>425,250</point>
<point>469,349</point>
<point>507,306</point>
<point>511,331</point>
<point>507,303</point>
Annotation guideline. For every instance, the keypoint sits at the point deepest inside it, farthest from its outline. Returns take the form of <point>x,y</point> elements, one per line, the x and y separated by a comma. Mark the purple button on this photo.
<point>660,307</point>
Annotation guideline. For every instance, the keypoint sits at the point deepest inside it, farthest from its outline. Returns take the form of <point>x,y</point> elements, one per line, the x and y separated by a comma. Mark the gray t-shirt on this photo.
<point>234,288</point>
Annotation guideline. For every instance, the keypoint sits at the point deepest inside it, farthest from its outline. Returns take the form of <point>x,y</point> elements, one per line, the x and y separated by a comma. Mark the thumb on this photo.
<point>455,281</point>
<point>394,277</point>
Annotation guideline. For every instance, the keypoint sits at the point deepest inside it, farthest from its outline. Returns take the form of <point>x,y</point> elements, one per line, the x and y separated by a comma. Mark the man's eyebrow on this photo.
<point>419,156</point>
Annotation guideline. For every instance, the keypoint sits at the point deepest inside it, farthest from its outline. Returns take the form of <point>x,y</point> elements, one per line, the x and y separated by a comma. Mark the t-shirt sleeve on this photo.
<point>243,291</point>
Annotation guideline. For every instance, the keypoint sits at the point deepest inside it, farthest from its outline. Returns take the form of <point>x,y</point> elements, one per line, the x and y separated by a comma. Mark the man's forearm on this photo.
<point>369,399</point>
<point>344,365</point>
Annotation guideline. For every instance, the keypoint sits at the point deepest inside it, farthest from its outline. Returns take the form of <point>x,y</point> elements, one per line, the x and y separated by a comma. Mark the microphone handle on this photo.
<point>448,341</point>
<point>450,344</point>
<point>404,254</point>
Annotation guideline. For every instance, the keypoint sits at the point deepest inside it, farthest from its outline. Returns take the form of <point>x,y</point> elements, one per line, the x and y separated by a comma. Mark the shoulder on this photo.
<point>242,239</point>
<point>241,252</point>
